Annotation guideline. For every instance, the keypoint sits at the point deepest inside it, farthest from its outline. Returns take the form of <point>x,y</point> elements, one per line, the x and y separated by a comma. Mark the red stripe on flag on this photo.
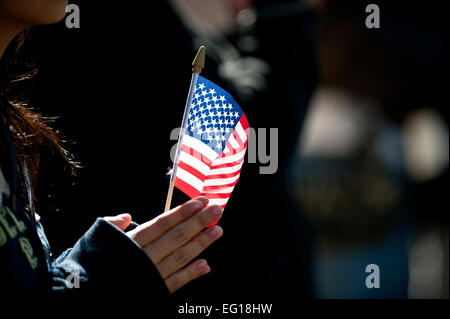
<point>244,122</point>
<point>186,188</point>
<point>192,170</point>
<point>217,195</point>
<point>217,176</point>
<point>216,187</point>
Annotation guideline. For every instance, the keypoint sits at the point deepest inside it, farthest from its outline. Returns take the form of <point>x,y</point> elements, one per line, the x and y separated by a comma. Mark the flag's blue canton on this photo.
<point>213,115</point>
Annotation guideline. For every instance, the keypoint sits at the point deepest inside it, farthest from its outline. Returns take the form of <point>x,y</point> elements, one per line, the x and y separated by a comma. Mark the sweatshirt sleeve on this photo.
<point>106,262</point>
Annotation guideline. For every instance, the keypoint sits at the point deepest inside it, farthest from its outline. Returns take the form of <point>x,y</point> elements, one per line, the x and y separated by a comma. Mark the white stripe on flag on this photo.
<point>226,170</point>
<point>221,181</point>
<point>225,190</point>
<point>189,179</point>
<point>195,163</point>
<point>240,130</point>
<point>199,146</point>
<point>218,201</point>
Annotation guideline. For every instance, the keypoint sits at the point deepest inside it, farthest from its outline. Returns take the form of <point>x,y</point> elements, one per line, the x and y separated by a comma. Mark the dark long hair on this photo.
<point>30,131</point>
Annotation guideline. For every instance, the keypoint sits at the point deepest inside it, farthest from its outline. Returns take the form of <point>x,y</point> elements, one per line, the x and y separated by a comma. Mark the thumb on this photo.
<point>121,221</point>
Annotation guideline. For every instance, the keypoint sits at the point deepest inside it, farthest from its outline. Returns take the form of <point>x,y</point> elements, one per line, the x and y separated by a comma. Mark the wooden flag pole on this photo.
<point>197,66</point>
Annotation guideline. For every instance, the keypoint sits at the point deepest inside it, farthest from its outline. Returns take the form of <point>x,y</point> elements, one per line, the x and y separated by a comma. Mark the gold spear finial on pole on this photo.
<point>199,61</point>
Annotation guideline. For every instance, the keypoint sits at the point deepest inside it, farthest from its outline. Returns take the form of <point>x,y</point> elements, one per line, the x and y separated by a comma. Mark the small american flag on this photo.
<point>214,145</point>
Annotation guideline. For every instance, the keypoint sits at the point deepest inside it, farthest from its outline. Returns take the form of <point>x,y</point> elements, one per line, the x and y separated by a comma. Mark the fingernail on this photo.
<point>215,211</point>
<point>204,269</point>
<point>214,231</point>
<point>197,205</point>
<point>124,216</point>
<point>201,264</point>
<point>204,200</point>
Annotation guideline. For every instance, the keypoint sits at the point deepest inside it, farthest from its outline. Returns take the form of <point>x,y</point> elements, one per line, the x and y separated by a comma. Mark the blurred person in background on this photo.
<point>373,154</point>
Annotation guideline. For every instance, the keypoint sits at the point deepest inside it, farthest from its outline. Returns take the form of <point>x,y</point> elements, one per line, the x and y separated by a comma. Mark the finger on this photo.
<point>183,255</point>
<point>150,231</point>
<point>181,234</point>
<point>121,221</point>
<point>191,272</point>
